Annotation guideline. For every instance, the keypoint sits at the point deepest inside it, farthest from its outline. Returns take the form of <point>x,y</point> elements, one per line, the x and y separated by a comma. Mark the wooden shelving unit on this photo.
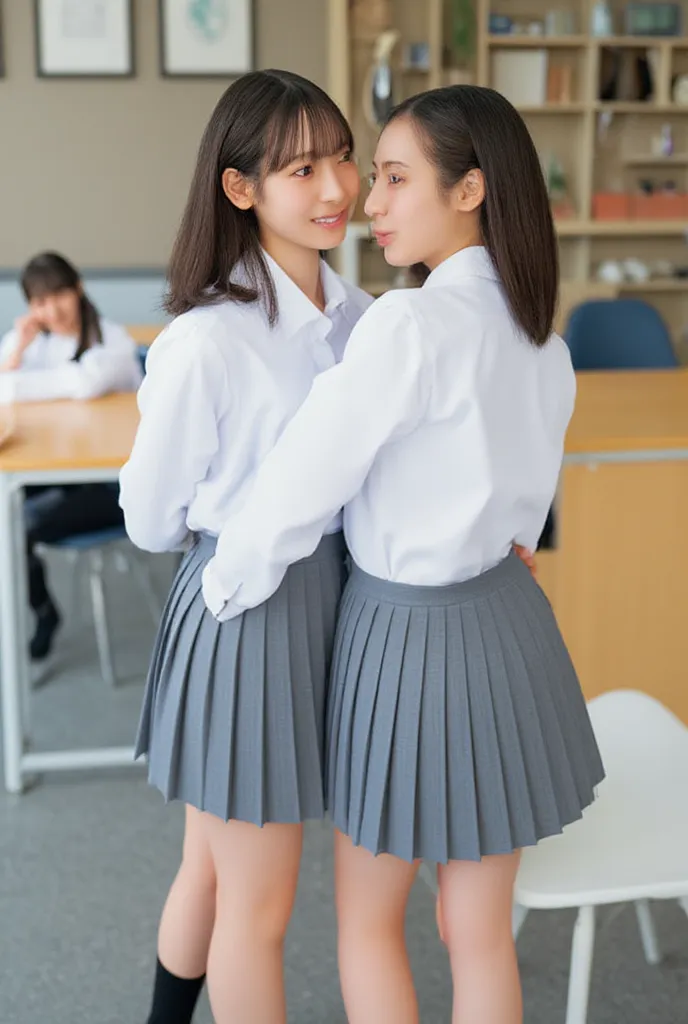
<point>602,146</point>
<point>534,42</point>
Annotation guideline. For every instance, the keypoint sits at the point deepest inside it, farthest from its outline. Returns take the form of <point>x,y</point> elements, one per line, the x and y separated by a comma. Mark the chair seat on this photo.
<point>92,539</point>
<point>583,866</point>
<point>632,843</point>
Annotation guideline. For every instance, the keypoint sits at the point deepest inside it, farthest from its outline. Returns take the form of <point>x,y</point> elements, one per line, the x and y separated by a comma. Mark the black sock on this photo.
<point>47,623</point>
<point>174,999</point>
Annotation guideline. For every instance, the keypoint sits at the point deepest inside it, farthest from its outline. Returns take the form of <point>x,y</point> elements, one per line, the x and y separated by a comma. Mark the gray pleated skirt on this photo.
<point>233,718</point>
<point>456,723</point>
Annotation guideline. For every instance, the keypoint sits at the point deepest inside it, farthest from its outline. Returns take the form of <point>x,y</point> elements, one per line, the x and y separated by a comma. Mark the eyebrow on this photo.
<point>311,156</point>
<point>390,163</point>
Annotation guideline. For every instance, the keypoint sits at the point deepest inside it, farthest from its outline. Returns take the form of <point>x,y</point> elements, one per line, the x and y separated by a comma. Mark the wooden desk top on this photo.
<point>70,435</point>
<point>630,411</point>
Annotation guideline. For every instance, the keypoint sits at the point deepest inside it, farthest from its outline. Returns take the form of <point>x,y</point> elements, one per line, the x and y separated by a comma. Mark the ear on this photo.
<point>469,193</point>
<point>238,189</point>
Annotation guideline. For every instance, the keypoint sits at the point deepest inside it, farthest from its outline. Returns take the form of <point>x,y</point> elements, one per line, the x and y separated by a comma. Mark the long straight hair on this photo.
<point>264,121</point>
<point>49,273</point>
<point>464,128</point>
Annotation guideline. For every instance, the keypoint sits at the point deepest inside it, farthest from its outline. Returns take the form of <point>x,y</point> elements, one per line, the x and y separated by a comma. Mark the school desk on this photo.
<point>50,443</point>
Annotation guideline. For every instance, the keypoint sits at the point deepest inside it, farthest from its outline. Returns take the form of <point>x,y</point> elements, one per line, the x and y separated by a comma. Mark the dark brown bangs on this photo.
<point>47,274</point>
<point>305,123</point>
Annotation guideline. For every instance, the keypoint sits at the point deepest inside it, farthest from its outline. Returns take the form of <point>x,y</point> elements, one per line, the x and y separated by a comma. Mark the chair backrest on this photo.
<point>642,743</point>
<point>142,352</point>
<point>619,334</point>
<point>572,293</point>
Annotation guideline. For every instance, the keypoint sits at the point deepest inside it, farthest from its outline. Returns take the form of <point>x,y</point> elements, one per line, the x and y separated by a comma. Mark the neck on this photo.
<point>301,265</point>
<point>465,241</point>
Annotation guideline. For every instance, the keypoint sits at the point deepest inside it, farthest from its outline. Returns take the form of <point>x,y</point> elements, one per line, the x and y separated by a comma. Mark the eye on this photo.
<point>372,178</point>
<point>346,157</point>
<point>304,172</point>
<point>394,179</point>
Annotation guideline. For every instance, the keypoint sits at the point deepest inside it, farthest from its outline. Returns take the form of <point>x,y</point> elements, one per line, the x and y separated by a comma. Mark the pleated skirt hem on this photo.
<point>233,718</point>
<point>457,728</point>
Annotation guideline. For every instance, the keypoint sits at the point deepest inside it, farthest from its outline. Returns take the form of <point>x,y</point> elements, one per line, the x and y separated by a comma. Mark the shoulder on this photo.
<point>396,309</point>
<point>206,343</point>
<point>558,356</point>
<point>557,353</point>
<point>390,333</point>
<point>205,331</point>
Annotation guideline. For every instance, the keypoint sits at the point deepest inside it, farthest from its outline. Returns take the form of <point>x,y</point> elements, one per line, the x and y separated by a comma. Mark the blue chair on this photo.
<point>615,334</point>
<point>142,352</point>
<point>619,334</point>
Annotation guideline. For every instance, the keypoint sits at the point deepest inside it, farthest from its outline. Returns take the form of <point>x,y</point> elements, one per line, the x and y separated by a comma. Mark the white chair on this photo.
<point>631,845</point>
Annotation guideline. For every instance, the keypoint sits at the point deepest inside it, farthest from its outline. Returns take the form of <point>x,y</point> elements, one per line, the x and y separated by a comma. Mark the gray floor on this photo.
<point>86,860</point>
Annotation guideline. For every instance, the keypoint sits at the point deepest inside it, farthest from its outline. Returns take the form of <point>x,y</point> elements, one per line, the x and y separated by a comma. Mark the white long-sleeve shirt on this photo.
<point>442,431</point>
<point>220,387</point>
<point>48,370</point>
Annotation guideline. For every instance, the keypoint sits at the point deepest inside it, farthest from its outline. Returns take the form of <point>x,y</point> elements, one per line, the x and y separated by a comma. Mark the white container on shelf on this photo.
<point>521,76</point>
<point>602,21</point>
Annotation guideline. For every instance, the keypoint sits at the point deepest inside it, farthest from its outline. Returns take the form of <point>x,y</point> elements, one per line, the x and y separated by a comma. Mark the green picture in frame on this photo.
<point>653,19</point>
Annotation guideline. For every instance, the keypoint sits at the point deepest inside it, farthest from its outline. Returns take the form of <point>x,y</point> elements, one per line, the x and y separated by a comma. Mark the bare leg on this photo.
<point>187,919</point>
<point>475,914</point>
<point>257,872</point>
<point>371,894</point>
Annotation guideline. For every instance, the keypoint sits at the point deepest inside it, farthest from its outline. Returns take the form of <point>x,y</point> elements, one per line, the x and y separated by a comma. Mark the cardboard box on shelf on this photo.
<point>611,206</point>
<point>660,206</point>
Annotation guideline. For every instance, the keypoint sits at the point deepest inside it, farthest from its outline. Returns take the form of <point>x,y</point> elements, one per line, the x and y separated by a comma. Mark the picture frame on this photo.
<point>84,38</point>
<point>206,38</point>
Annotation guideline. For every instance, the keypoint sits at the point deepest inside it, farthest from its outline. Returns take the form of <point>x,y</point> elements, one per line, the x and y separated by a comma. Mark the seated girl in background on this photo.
<point>62,348</point>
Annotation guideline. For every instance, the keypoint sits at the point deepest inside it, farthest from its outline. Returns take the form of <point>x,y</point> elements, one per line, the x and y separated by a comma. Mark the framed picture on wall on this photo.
<point>201,38</point>
<point>84,38</point>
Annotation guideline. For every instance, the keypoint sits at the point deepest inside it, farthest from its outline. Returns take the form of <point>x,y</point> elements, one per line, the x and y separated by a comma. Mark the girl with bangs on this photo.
<point>233,715</point>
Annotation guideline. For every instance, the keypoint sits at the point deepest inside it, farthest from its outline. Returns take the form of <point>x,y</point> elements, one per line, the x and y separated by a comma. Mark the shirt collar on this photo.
<point>475,261</point>
<point>295,309</point>
<point>333,287</point>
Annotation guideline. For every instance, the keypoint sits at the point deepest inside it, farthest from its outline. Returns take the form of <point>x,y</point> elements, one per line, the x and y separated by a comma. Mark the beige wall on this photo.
<point>100,169</point>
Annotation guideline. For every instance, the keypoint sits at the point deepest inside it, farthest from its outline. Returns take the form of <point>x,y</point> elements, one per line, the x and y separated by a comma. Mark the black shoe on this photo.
<point>47,624</point>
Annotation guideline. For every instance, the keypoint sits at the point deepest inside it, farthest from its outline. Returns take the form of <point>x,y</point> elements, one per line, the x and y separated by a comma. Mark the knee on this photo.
<point>473,939</point>
<point>360,928</point>
<point>259,914</point>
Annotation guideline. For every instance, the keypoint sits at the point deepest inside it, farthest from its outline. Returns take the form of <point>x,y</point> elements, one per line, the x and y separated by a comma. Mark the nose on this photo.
<point>332,188</point>
<point>51,311</point>
<point>375,204</point>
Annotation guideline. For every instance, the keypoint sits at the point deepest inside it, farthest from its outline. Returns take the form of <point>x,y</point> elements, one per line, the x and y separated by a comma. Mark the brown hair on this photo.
<point>49,273</point>
<point>463,128</point>
<point>259,126</point>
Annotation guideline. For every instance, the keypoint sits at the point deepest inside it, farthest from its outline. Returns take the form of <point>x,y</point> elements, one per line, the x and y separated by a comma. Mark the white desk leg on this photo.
<point>22,602</point>
<point>10,641</point>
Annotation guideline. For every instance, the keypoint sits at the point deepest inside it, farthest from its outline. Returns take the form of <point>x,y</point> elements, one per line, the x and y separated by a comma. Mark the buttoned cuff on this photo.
<point>216,600</point>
